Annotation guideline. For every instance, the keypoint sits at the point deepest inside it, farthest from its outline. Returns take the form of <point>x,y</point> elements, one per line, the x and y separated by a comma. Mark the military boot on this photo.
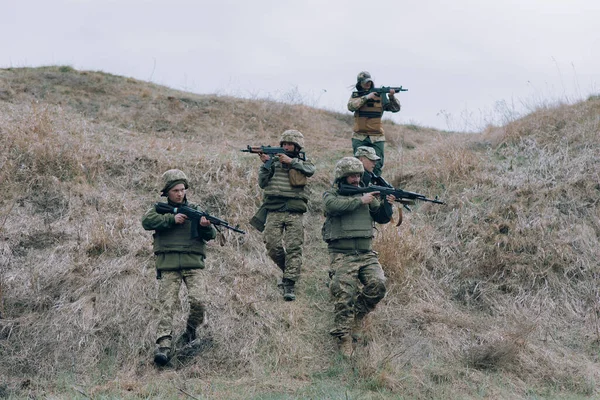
<point>345,346</point>
<point>162,352</point>
<point>186,337</point>
<point>288,290</point>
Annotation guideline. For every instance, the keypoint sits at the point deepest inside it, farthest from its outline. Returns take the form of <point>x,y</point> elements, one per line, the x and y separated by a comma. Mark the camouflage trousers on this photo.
<point>169,285</point>
<point>284,236</point>
<point>357,285</point>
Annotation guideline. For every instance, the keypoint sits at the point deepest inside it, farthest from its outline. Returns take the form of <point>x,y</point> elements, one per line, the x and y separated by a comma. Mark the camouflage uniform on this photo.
<point>358,281</point>
<point>286,200</point>
<point>368,130</point>
<point>179,258</point>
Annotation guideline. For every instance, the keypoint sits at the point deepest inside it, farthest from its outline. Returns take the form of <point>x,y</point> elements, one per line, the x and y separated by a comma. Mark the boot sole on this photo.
<point>161,359</point>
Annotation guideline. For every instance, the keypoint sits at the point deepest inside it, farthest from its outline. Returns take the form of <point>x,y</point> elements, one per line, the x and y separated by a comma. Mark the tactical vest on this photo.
<point>349,231</point>
<point>279,185</point>
<point>367,119</point>
<point>177,239</point>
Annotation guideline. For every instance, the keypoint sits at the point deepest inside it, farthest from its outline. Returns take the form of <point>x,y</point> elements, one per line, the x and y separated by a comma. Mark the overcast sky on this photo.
<point>465,63</point>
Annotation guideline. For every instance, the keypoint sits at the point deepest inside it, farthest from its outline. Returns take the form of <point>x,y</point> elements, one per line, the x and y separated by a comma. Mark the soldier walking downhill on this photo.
<point>285,202</point>
<point>358,281</point>
<point>179,258</point>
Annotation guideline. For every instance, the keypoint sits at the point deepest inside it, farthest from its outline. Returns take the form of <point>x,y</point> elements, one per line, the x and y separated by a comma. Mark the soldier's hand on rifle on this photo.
<point>372,95</point>
<point>180,218</point>
<point>392,91</point>
<point>390,198</point>
<point>284,159</point>
<point>204,222</point>
<point>264,157</point>
<point>367,198</point>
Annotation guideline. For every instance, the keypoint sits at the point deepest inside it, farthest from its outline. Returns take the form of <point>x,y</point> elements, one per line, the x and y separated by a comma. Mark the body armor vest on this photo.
<point>354,225</point>
<point>367,119</point>
<point>280,186</point>
<point>177,239</point>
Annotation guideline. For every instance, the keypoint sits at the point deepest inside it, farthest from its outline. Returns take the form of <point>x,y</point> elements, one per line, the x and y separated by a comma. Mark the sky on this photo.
<point>466,63</point>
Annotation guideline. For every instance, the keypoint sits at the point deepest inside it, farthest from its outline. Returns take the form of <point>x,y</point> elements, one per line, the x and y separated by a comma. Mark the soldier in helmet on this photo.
<point>285,202</point>
<point>357,279</point>
<point>368,110</point>
<point>179,258</point>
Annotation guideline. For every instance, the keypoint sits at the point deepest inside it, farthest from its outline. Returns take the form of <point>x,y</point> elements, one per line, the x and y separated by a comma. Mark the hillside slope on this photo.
<point>493,296</point>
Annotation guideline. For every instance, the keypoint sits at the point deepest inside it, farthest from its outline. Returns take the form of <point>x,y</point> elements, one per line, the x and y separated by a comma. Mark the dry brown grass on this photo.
<point>493,295</point>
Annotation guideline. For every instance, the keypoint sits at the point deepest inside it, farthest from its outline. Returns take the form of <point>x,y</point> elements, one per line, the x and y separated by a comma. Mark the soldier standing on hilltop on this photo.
<point>285,202</point>
<point>179,258</point>
<point>368,110</point>
<point>357,282</point>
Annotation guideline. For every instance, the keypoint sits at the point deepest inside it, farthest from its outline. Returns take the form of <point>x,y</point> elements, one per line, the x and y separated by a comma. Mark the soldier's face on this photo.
<point>353,179</point>
<point>177,193</point>
<point>289,147</point>
<point>366,85</point>
<point>368,163</point>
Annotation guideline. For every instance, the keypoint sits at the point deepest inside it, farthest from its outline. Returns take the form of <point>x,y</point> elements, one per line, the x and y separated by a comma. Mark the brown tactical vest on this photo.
<point>367,119</point>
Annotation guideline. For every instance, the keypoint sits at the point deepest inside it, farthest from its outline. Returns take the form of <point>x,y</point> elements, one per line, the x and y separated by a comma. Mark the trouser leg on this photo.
<point>373,288</point>
<point>344,289</point>
<point>168,295</point>
<point>194,281</point>
<point>294,239</point>
<point>379,148</point>
<point>273,238</point>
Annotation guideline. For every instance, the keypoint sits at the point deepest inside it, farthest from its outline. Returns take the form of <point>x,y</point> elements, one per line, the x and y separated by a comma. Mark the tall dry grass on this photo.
<point>493,295</point>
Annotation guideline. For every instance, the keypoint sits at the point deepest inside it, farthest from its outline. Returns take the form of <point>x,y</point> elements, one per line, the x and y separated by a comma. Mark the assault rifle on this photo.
<point>271,151</point>
<point>401,196</point>
<point>380,91</point>
<point>379,181</point>
<point>195,216</point>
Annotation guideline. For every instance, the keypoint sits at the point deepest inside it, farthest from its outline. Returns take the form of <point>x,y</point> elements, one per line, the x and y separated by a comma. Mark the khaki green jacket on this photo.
<point>173,245</point>
<point>349,223</point>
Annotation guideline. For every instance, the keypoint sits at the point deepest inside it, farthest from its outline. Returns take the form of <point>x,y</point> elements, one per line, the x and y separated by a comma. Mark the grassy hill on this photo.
<point>493,296</point>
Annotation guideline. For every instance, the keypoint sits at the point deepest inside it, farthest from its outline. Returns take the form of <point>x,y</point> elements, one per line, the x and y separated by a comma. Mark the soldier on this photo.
<point>285,203</point>
<point>358,281</point>
<point>368,110</point>
<point>368,158</point>
<point>179,258</point>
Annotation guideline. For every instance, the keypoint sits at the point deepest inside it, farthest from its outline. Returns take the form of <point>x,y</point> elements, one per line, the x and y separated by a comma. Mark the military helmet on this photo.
<point>363,76</point>
<point>171,178</point>
<point>348,166</point>
<point>292,136</point>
